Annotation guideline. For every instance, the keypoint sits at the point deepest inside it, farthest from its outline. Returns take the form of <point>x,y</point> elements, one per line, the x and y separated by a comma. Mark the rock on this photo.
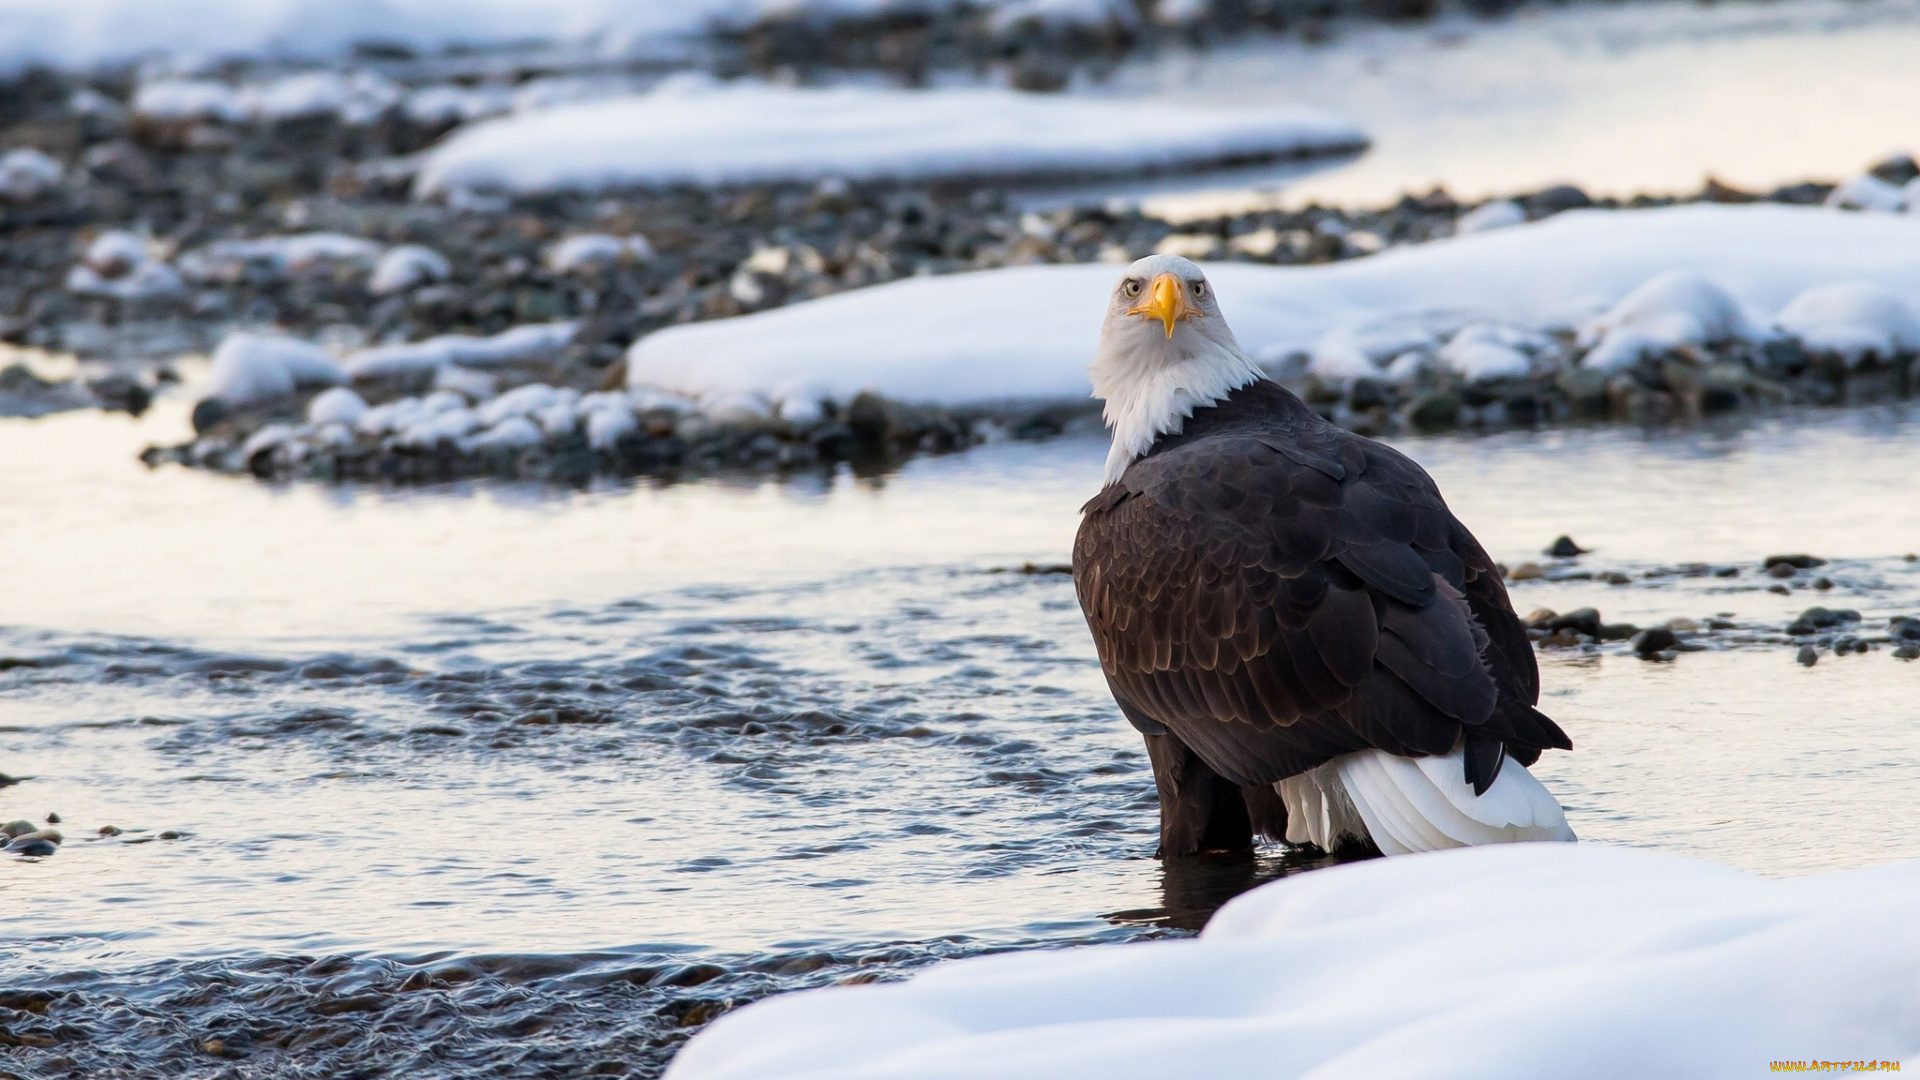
<point>1565,548</point>
<point>1618,631</point>
<point>1541,618</point>
<point>13,829</point>
<point>34,846</point>
<point>1815,619</point>
<point>1434,412</point>
<point>52,836</point>
<point>1848,643</point>
<point>1781,570</point>
<point>1907,652</point>
<point>1526,571</point>
<point>1682,624</point>
<point>1652,642</point>
<point>1807,656</point>
<point>1781,589</point>
<point>1727,571</point>
<point>1557,198</point>
<point>1615,577</point>
<point>1797,562</point>
<point>8,781</point>
<point>109,830</point>
<point>172,834</point>
<point>1563,638</point>
<point>1823,584</point>
<point>1584,620</point>
<point>1904,628</point>
<point>53,818</point>
<point>1896,170</point>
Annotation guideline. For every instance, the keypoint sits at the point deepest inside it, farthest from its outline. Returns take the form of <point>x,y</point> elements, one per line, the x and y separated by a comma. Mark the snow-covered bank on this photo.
<point>1029,332</point>
<point>692,132</point>
<point>1515,961</point>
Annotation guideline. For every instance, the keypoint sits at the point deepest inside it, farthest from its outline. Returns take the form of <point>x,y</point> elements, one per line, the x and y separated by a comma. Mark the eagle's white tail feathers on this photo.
<point>1416,804</point>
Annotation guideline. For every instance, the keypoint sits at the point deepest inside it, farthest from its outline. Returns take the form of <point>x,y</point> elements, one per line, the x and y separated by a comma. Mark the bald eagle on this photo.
<point>1313,646</point>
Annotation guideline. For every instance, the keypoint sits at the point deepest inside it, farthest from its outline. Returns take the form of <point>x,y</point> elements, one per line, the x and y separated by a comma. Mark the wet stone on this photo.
<point>1807,656</point>
<point>1565,548</point>
<point>1651,643</point>
<point>18,828</point>
<point>36,846</point>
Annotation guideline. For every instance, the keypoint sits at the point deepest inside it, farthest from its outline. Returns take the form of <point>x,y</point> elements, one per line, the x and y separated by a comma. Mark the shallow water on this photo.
<point>498,780</point>
<point>1620,98</point>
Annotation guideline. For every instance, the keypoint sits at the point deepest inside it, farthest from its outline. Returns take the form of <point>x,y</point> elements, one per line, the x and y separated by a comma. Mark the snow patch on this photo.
<point>749,132</point>
<point>27,174</point>
<point>594,250</point>
<point>1499,214</point>
<point>522,344</point>
<point>1672,309</point>
<point>278,257</point>
<point>1853,320</point>
<point>1028,332</point>
<point>406,267</point>
<point>249,368</point>
<point>1603,962</point>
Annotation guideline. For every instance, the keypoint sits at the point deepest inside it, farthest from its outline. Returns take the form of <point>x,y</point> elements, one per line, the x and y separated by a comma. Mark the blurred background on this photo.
<point>532,525</point>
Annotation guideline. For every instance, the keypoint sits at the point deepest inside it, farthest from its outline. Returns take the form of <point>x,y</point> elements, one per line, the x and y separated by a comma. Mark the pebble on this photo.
<point>1907,652</point>
<point>53,818</point>
<point>1781,570</point>
<point>1807,656</point>
<point>1780,589</point>
<point>110,830</point>
<point>18,828</point>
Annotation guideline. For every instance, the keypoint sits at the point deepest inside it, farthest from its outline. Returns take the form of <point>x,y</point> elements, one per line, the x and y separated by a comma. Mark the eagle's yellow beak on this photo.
<point>1166,301</point>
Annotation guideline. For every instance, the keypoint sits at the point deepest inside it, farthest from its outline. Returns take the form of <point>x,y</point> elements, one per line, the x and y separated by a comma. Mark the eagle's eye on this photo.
<point>1131,287</point>
<point>1199,290</point>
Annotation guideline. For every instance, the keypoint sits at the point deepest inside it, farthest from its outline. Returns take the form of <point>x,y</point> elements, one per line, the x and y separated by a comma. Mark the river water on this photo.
<point>500,781</point>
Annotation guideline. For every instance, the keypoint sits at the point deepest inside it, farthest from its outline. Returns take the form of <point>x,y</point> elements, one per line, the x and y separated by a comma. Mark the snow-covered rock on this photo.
<point>249,368</point>
<point>1498,214</point>
<point>229,261</point>
<point>592,250</point>
<point>1853,320</point>
<point>1028,332</point>
<point>513,433</point>
<point>1868,192</point>
<point>119,264</point>
<point>1670,310</point>
<point>336,406</point>
<point>27,174</point>
<point>1510,961</point>
<point>408,266</point>
<point>522,344</point>
<point>749,132</point>
<point>1489,351</point>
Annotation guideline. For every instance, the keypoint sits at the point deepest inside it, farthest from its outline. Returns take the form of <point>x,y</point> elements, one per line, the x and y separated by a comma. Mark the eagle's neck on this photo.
<point>1151,392</point>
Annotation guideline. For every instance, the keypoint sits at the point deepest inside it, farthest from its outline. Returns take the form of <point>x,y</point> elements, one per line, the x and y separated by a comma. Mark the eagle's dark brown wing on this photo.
<point>1276,599</point>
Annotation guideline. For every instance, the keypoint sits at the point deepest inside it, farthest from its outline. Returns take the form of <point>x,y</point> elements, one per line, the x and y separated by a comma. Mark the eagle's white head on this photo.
<point>1164,352</point>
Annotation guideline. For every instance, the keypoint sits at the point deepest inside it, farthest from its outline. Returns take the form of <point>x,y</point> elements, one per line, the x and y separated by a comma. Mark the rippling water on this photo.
<point>504,781</point>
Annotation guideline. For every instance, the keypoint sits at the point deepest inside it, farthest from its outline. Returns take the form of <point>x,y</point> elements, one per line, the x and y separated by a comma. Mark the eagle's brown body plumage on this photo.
<point>1268,592</point>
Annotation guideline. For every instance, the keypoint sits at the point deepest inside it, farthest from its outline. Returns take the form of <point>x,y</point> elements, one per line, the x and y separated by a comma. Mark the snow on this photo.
<point>522,344</point>
<point>1853,320</point>
<point>336,406</point>
<point>27,174</point>
<point>693,132</point>
<point>250,367</point>
<point>593,250</point>
<point>119,264</point>
<point>1670,310</point>
<point>1868,193</point>
<point>1028,332</point>
<point>1508,961</point>
<point>228,261</point>
<point>1498,214</point>
<point>406,267</point>
<point>1489,351</point>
